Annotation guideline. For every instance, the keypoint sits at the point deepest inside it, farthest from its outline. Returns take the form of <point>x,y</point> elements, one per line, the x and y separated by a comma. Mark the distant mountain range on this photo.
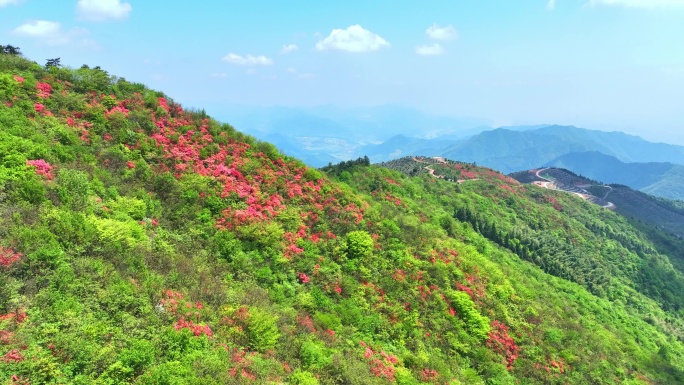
<point>509,150</point>
<point>401,145</point>
<point>613,157</point>
<point>320,135</point>
<point>323,135</point>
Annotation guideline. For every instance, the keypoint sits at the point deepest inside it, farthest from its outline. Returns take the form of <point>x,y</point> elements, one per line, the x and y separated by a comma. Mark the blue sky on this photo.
<point>603,64</point>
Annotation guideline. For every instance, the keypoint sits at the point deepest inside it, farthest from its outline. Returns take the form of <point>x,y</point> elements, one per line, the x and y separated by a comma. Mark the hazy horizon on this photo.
<point>614,65</point>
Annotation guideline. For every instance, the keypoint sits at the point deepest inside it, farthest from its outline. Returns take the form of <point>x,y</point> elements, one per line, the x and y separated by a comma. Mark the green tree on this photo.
<point>359,244</point>
<point>262,330</point>
<point>55,62</point>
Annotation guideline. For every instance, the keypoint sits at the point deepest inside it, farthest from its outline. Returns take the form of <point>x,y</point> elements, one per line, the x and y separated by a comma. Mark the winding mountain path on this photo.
<point>610,190</point>
<point>584,194</point>
<point>430,170</point>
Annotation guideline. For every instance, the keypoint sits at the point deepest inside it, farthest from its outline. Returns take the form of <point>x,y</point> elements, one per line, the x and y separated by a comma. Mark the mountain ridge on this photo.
<point>528,149</point>
<point>656,178</point>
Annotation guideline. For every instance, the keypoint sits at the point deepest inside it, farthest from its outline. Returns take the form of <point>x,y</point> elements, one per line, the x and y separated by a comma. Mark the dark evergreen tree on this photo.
<point>55,62</point>
<point>10,50</point>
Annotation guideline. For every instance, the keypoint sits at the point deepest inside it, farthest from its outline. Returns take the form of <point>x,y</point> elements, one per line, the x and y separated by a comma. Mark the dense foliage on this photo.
<point>141,243</point>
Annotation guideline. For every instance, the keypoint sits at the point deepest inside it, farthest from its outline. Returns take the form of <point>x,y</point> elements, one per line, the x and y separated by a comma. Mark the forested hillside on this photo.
<point>142,243</point>
<point>666,215</point>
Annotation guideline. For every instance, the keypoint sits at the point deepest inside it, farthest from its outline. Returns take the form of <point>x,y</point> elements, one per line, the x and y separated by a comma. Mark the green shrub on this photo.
<point>131,207</point>
<point>118,234</point>
<point>226,245</point>
<point>169,373</point>
<point>359,244</point>
<point>8,86</point>
<point>138,355</point>
<point>477,324</point>
<point>328,320</point>
<point>262,330</point>
<point>314,354</point>
<point>74,188</point>
<point>302,377</point>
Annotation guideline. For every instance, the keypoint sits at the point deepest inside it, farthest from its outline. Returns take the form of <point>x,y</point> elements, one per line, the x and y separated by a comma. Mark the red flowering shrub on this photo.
<point>474,287</point>
<point>466,289</point>
<point>16,380</point>
<point>18,316</point>
<point>42,167</point>
<point>117,110</point>
<point>163,104</point>
<point>381,364</point>
<point>307,323</point>
<point>13,355</point>
<point>196,329</point>
<point>500,342</point>
<point>44,90</point>
<point>303,278</point>
<point>174,304</point>
<point>170,301</point>
<point>554,202</point>
<point>8,256</point>
<point>241,360</point>
<point>429,375</point>
<point>5,337</point>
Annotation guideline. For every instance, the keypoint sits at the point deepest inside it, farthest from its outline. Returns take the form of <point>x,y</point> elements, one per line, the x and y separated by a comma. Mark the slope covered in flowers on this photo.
<point>141,243</point>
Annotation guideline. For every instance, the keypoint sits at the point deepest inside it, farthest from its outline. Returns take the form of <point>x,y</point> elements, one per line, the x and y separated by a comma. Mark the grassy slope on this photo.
<point>144,244</point>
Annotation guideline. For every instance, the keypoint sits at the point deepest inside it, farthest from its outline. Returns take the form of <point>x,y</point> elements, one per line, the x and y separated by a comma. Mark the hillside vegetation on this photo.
<point>141,243</point>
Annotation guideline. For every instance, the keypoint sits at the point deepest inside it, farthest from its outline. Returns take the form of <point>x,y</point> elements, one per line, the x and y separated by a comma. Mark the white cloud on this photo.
<point>249,60</point>
<point>640,3</point>
<point>289,48</point>
<point>429,49</point>
<point>551,5</point>
<point>8,2</point>
<point>300,75</point>
<point>353,39</point>
<point>441,33</point>
<point>51,33</point>
<point>38,28</point>
<point>99,10</point>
